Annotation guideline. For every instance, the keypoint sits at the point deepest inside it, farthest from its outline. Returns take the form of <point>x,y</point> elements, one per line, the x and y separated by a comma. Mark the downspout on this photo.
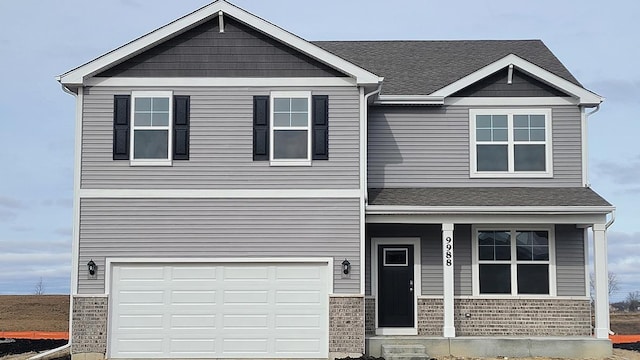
<point>364,131</point>
<point>585,152</point>
<point>366,141</point>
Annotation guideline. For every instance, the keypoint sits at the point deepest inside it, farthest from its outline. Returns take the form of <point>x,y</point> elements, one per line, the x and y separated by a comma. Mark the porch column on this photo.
<point>601,281</point>
<point>449,329</point>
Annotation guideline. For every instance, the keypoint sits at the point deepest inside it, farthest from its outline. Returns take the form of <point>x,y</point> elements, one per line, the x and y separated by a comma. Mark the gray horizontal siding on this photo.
<point>219,228</point>
<point>221,146</point>
<point>204,51</point>
<point>522,85</point>
<point>427,147</point>
<point>462,272</point>
<point>570,261</point>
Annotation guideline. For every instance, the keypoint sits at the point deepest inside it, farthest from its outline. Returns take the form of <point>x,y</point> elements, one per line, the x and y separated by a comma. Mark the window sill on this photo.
<point>290,163</point>
<point>151,162</point>
<point>499,174</point>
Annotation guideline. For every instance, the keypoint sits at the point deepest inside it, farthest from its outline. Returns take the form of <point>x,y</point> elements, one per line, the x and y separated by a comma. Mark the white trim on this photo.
<point>220,82</point>
<point>517,297</point>
<point>77,173</point>
<point>362,135</point>
<point>513,262</point>
<point>510,101</point>
<point>75,230</point>
<point>511,143</point>
<point>587,279</point>
<point>273,128</point>
<point>544,210</point>
<point>90,295</point>
<point>585,97</point>
<point>169,128</point>
<point>448,279</point>
<point>406,257</point>
<point>334,295</point>
<point>220,193</point>
<point>409,100</point>
<point>110,262</point>
<point>417,280</point>
<point>584,139</point>
<point>601,281</point>
<point>77,76</point>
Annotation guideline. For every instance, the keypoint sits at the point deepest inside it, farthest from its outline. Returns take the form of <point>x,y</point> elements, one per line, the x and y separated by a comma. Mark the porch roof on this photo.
<point>485,196</point>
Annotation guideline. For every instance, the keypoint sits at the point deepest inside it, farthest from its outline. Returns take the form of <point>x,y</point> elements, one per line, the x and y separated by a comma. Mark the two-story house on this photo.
<point>241,192</point>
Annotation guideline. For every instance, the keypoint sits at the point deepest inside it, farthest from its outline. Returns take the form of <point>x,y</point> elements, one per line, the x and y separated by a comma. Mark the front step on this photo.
<point>404,352</point>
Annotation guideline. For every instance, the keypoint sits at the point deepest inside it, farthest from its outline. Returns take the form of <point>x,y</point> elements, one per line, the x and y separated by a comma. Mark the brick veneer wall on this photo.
<point>522,317</point>
<point>89,330</point>
<point>430,317</point>
<point>346,324</point>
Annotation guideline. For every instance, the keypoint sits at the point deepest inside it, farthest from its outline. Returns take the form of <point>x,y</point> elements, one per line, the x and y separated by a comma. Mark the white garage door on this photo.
<point>219,310</point>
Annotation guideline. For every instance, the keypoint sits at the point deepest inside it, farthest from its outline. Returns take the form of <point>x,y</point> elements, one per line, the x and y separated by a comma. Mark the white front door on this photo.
<point>233,310</point>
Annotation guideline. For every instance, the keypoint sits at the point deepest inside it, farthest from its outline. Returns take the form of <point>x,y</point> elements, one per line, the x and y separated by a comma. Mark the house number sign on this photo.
<point>448,255</point>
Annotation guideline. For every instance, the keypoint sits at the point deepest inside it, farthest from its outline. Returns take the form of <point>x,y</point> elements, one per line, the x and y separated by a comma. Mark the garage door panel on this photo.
<point>245,346</point>
<point>298,321</point>
<point>246,297</point>
<point>196,321</point>
<point>193,297</point>
<point>286,347</point>
<point>193,273</point>
<point>220,310</point>
<point>247,273</point>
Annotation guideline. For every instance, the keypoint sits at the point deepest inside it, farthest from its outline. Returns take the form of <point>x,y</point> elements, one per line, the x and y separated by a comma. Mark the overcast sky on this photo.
<point>598,41</point>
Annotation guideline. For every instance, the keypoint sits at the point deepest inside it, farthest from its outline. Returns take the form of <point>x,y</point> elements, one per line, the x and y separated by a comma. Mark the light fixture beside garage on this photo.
<point>346,266</point>
<point>92,267</point>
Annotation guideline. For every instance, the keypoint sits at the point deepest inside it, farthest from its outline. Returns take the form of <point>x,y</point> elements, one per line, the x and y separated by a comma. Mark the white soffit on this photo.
<point>77,76</point>
<point>585,97</point>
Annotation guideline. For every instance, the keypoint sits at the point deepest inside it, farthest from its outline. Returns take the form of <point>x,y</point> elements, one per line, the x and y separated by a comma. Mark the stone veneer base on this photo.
<point>89,329</point>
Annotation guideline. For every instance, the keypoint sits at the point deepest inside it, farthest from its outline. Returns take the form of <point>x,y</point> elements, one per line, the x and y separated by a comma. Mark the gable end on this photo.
<point>522,85</point>
<point>239,51</point>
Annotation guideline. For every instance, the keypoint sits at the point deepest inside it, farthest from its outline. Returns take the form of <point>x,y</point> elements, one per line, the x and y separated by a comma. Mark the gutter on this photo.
<point>585,152</point>
<point>417,210</point>
<point>409,100</point>
<point>365,140</point>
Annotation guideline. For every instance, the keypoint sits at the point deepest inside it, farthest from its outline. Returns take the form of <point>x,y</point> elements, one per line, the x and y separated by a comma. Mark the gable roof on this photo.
<point>440,68</point>
<point>422,67</point>
<point>77,76</point>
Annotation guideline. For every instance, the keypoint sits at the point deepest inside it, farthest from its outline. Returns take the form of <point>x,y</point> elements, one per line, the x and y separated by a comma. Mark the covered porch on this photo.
<point>453,266</point>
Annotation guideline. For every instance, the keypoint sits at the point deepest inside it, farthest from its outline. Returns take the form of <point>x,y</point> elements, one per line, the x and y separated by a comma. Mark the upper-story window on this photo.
<point>151,127</point>
<point>513,261</point>
<point>290,128</point>
<point>510,143</point>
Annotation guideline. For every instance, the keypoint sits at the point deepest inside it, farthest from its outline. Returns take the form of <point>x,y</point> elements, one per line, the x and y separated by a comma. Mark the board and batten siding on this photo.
<point>570,261</point>
<point>429,147</point>
<point>218,229</point>
<point>221,145</point>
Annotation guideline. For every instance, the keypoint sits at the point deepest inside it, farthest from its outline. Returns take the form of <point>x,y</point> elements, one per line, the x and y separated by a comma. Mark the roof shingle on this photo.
<point>484,196</point>
<point>422,67</point>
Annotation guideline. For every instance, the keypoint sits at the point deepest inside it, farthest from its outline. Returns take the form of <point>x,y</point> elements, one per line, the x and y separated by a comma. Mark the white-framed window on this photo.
<point>513,261</point>
<point>510,143</point>
<point>151,114</point>
<point>290,117</point>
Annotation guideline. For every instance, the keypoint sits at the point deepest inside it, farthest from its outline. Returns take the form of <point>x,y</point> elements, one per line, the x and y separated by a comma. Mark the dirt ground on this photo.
<point>34,313</point>
<point>625,323</point>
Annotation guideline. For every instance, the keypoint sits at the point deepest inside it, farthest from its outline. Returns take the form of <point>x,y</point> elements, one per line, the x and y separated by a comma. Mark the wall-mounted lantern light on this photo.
<point>92,267</point>
<point>346,266</point>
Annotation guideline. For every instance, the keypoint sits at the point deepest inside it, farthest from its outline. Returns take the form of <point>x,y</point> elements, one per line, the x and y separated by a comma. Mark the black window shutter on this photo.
<point>121,115</point>
<point>181,127</point>
<point>260,128</point>
<point>320,120</point>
